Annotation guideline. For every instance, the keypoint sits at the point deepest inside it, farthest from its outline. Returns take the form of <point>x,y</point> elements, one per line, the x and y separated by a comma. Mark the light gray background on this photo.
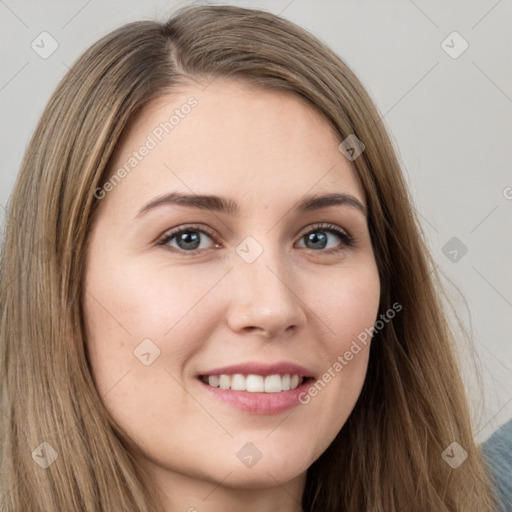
<point>450,119</point>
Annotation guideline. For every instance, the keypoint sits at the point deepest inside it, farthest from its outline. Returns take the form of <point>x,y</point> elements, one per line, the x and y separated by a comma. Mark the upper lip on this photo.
<point>252,368</point>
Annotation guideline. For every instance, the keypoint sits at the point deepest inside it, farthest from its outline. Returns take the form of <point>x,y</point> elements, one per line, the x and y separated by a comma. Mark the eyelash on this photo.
<point>347,240</point>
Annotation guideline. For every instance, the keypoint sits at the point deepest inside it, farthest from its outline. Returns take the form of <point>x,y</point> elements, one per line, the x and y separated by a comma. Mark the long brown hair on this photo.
<point>387,457</point>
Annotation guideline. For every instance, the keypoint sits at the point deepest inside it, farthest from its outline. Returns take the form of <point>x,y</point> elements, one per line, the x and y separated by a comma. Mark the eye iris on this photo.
<point>318,238</point>
<point>186,238</point>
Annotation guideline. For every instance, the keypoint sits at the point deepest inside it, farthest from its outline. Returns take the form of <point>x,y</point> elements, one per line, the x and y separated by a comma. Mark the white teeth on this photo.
<point>273,384</point>
<point>255,383</point>
<point>214,381</point>
<point>238,382</point>
<point>224,382</point>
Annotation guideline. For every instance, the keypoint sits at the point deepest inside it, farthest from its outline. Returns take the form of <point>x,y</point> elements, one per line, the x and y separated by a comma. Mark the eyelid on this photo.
<point>326,226</point>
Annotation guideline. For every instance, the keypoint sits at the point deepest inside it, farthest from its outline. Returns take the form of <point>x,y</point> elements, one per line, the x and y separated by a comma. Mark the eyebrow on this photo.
<point>231,207</point>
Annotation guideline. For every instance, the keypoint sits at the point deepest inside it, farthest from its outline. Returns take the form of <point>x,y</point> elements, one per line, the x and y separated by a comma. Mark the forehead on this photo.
<point>231,139</point>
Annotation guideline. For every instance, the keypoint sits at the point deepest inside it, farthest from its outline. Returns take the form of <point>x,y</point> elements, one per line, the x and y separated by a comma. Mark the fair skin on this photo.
<point>294,303</point>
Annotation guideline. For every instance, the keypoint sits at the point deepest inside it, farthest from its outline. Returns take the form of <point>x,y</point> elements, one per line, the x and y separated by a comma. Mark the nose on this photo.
<point>266,298</point>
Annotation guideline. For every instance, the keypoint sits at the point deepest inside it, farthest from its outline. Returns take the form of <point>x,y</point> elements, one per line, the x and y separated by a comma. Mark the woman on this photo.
<point>228,303</point>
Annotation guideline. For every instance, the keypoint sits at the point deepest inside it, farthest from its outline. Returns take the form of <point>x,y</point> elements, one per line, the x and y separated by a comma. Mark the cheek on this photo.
<point>348,304</point>
<point>137,315</point>
<point>126,304</point>
<point>349,307</point>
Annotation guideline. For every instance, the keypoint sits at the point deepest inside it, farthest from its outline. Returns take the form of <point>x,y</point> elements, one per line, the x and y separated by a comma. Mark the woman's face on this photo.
<point>259,284</point>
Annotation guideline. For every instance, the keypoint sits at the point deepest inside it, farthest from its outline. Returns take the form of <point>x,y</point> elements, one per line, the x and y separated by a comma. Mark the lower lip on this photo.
<point>259,403</point>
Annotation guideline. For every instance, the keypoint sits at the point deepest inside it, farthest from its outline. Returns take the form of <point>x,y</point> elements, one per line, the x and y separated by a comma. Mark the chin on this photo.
<point>263,475</point>
<point>273,468</point>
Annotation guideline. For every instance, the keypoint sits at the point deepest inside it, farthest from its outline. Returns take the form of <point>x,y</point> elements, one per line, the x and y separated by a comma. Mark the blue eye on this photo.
<point>188,239</point>
<point>318,238</point>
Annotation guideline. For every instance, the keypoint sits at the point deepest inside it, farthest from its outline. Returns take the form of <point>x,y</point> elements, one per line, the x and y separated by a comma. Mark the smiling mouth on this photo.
<point>254,383</point>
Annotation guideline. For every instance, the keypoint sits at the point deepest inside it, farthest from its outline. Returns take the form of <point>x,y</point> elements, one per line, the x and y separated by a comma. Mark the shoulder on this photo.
<point>497,451</point>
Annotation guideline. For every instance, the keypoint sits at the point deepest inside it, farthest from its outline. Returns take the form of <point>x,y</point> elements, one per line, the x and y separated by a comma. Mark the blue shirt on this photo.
<point>497,451</point>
